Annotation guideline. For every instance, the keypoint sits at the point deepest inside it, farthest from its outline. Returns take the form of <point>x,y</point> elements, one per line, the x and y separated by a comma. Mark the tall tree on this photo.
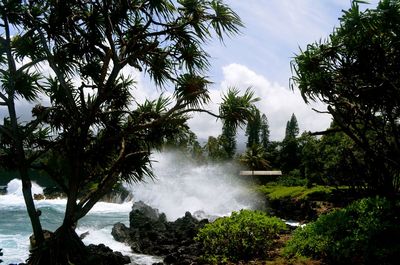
<point>234,108</point>
<point>228,140</point>
<point>289,153</point>
<point>215,149</point>
<point>99,133</point>
<point>356,74</point>
<point>19,80</point>
<point>253,129</point>
<point>292,128</point>
<point>264,134</point>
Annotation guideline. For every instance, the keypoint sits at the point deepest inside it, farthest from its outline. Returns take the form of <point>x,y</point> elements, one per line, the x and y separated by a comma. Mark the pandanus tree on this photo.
<point>98,132</point>
<point>356,74</point>
<point>19,81</point>
<point>236,110</point>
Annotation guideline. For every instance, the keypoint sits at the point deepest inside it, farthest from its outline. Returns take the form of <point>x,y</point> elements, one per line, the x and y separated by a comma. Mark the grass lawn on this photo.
<point>277,192</point>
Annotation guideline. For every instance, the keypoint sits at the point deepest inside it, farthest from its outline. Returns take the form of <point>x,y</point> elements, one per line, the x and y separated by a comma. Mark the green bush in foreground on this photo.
<point>242,236</point>
<point>365,232</point>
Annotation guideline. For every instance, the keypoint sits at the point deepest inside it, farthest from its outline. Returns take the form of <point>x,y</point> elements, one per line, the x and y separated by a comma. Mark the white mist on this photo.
<point>181,186</point>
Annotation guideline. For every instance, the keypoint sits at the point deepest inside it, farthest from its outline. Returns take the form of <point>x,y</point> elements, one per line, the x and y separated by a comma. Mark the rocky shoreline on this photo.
<point>150,233</point>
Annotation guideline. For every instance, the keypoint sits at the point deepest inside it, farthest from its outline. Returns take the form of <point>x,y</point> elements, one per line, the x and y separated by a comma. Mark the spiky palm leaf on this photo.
<point>235,109</point>
<point>192,90</point>
<point>22,83</point>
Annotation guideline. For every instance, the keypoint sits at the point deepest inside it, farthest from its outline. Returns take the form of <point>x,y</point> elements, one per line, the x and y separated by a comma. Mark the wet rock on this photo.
<point>83,235</point>
<point>51,193</point>
<point>3,190</point>
<point>143,210</point>
<point>201,215</point>
<point>103,255</point>
<point>38,197</point>
<point>150,233</point>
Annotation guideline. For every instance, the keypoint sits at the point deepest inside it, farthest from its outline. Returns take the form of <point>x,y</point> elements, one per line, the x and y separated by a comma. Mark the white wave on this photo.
<point>15,187</point>
<point>107,207</point>
<point>182,186</point>
<point>15,248</point>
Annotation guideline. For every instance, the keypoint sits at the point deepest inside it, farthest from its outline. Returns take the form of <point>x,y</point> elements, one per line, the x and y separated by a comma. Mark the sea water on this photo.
<point>15,226</point>
<point>180,185</point>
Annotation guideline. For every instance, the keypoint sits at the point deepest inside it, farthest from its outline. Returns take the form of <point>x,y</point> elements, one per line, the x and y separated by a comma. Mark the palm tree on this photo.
<point>254,158</point>
<point>235,111</point>
<point>98,133</point>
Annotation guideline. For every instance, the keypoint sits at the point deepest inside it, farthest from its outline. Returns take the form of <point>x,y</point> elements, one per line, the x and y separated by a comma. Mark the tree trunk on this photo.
<point>26,181</point>
<point>18,140</point>
<point>30,207</point>
<point>63,248</point>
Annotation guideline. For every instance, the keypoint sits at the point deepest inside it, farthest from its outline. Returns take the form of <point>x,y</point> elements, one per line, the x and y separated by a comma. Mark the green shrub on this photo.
<point>293,178</point>
<point>278,192</point>
<point>365,232</point>
<point>242,236</point>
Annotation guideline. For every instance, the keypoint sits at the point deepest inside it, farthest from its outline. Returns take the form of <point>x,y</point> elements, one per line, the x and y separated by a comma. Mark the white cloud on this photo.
<point>277,102</point>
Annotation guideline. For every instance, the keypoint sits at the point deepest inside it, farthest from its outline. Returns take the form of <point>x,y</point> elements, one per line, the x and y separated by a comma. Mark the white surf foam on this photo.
<point>215,189</point>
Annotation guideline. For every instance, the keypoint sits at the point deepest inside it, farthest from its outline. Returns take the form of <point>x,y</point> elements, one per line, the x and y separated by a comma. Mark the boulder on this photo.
<point>103,255</point>
<point>53,193</point>
<point>38,197</point>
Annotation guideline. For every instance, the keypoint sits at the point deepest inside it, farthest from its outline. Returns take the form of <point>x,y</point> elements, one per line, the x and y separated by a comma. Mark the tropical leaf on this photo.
<point>236,110</point>
<point>225,19</point>
<point>192,90</point>
<point>23,83</point>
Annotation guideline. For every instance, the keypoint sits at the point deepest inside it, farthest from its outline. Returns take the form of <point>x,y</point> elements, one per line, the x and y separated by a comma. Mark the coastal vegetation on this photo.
<point>93,133</point>
<point>343,183</point>
<point>243,236</point>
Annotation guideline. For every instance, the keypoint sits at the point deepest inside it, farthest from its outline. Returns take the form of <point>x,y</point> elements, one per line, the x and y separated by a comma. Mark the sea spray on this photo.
<point>182,185</point>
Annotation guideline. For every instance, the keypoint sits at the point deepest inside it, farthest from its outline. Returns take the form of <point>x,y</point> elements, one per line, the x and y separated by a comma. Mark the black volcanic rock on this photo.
<point>103,255</point>
<point>150,233</point>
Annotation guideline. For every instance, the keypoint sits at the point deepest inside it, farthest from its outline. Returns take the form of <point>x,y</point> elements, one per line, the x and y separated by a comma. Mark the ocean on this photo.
<point>180,186</point>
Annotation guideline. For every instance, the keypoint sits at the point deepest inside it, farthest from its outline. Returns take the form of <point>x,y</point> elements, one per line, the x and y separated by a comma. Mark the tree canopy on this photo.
<point>292,128</point>
<point>355,72</point>
<point>95,132</point>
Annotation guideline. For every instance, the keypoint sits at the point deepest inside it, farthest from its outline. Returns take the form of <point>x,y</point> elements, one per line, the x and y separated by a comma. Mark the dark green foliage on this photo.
<point>235,111</point>
<point>264,134</point>
<point>356,73</point>
<point>228,140</point>
<point>215,150</point>
<point>290,153</point>
<point>365,232</point>
<point>293,178</point>
<point>244,235</point>
<point>292,128</point>
<point>253,129</point>
<point>310,159</point>
<point>94,133</point>
<point>254,158</point>
<point>272,154</point>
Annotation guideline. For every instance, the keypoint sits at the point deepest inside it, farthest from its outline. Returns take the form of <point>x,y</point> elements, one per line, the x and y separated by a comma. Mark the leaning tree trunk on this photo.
<point>63,248</point>
<point>17,137</point>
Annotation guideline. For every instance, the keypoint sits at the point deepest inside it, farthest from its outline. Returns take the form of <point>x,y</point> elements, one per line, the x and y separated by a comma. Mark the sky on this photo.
<point>259,57</point>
